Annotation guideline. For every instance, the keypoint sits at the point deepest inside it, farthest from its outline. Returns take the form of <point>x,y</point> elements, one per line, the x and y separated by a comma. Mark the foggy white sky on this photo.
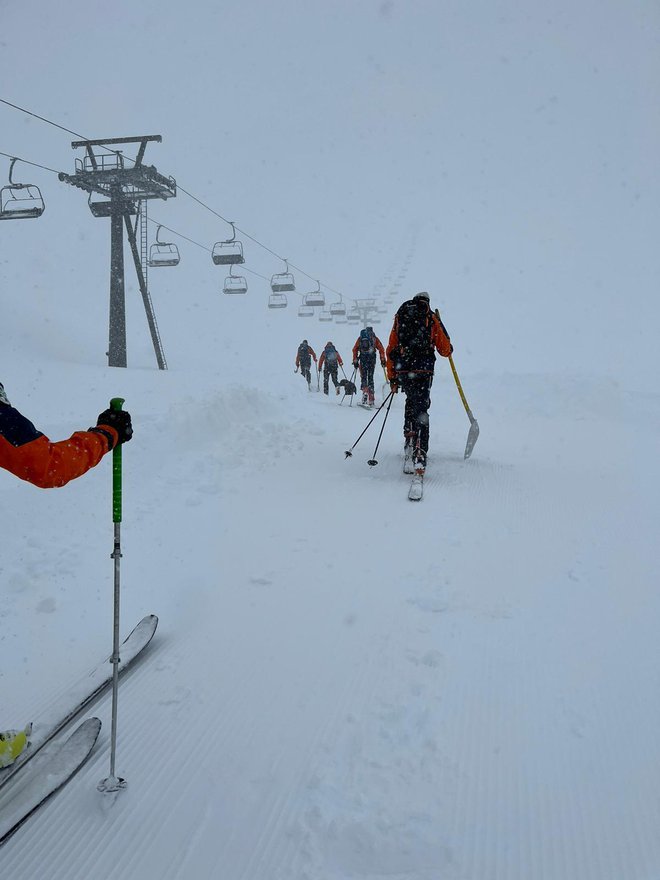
<point>523,137</point>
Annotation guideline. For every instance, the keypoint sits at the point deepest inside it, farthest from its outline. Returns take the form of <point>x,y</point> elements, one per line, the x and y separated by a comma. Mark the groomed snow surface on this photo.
<point>343,684</point>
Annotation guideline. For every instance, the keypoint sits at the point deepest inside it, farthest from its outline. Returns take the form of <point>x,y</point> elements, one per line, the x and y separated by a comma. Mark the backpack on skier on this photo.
<point>414,322</point>
<point>367,341</point>
<point>330,354</point>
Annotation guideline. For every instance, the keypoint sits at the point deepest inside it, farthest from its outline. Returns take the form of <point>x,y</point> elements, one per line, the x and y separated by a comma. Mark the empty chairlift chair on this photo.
<point>324,315</point>
<point>337,309</point>
<point>283,282</point>
<point>163,253</point>
<point>354,316</point>
<point>315,297</point>
<point>235,284</point>
<point>228,253</point>
<point>277,301</point>
<point>20,201</point>
<point>305,311</point>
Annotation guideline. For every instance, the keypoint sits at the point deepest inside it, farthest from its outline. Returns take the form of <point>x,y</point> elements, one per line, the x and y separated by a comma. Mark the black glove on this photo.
<point>355,365</point>
<point>394,385</point>
<point>118,419</point>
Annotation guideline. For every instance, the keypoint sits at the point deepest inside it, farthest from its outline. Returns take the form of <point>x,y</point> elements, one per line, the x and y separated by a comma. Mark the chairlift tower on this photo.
<point>121,188</point>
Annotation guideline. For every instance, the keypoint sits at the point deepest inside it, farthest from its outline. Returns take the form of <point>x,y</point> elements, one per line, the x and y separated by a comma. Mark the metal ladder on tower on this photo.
<point>146,296</point>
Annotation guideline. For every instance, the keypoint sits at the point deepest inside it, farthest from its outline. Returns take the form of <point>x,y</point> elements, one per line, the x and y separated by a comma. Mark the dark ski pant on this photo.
<point>329,371</point>
<point>367,366</point>
<point>417,388</point>
<point>305,372</point>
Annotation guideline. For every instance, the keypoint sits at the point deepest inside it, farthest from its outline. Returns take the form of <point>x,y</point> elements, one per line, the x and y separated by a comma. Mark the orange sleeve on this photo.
<point>355,349</point>
<point>379,348</point>
<point>313,354</point>
<point>51,465</point>
<point>392,345</point>
<point>321,359</point>
<point>440,337</point>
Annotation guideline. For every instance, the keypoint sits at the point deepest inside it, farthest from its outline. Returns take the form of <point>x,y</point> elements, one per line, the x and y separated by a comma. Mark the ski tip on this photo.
<point>92,726</point>
<point>348,453</point>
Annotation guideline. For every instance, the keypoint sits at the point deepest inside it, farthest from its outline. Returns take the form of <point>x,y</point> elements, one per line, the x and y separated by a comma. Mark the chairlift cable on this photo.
<point>27,162</point>
<point>179,187</point>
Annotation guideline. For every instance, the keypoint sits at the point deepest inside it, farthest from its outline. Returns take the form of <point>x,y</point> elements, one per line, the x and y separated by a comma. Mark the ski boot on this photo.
<point>12,743</point>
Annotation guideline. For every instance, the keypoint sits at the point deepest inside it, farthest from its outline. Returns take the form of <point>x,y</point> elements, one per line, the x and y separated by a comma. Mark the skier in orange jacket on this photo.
<point>417,333</point>
<point>29,454</point>
<point>304,357</point>
<point>329,362</point>
<point>367,345</point>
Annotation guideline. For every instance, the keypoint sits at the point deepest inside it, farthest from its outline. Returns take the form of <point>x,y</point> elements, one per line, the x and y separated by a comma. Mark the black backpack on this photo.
<point>330,354</point>
<point>414,321</point>
<point>367,344</point>
<point>303,352</point>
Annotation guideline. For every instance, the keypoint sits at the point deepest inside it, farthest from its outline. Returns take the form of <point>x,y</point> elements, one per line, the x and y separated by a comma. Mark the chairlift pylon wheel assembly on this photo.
<point>20,201</point>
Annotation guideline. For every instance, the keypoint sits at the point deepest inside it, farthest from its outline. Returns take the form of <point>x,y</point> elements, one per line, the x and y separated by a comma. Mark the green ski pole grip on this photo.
<point>116,404</point>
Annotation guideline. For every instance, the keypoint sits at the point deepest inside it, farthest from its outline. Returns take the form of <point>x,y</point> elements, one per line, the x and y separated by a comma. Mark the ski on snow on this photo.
<point>80,695</point>
<point>55,765</point>
<point>416,491</point>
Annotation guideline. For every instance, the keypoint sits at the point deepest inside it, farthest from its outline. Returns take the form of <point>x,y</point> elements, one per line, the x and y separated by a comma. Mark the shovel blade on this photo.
<point>473,434</point>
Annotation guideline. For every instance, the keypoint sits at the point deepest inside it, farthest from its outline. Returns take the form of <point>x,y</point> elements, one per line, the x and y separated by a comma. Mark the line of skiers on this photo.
<point>328,364</point>
<point>409,362</point>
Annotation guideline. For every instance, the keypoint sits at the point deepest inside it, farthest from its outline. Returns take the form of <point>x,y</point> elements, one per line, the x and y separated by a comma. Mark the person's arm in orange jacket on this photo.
<point>392,345</point>
<point>321,359</point>
<point>440,337</point>
<point>29,454</point>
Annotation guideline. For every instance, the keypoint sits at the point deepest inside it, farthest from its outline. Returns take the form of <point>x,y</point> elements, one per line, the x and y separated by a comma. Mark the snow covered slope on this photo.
<point>344,684</point>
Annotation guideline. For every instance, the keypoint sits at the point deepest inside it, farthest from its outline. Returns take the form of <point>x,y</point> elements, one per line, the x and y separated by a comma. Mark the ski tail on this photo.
<point>416,491</point>
<point>77,698</point>
<point>56,765</point>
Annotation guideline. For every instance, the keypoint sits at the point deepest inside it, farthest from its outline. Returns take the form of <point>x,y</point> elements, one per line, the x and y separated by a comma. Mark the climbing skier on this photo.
<point>29,454</point>
<point>304,357</point>
<point>417,333</point>
<point>329,362</point>
<point>367,345</point>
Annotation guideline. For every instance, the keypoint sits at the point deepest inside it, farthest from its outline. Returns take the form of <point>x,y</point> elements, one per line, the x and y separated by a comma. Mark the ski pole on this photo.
<point>372,461</point>
<point>473,433</point>
<point>349,452</point>
<point>318,378</point>
<point>112,782</point>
